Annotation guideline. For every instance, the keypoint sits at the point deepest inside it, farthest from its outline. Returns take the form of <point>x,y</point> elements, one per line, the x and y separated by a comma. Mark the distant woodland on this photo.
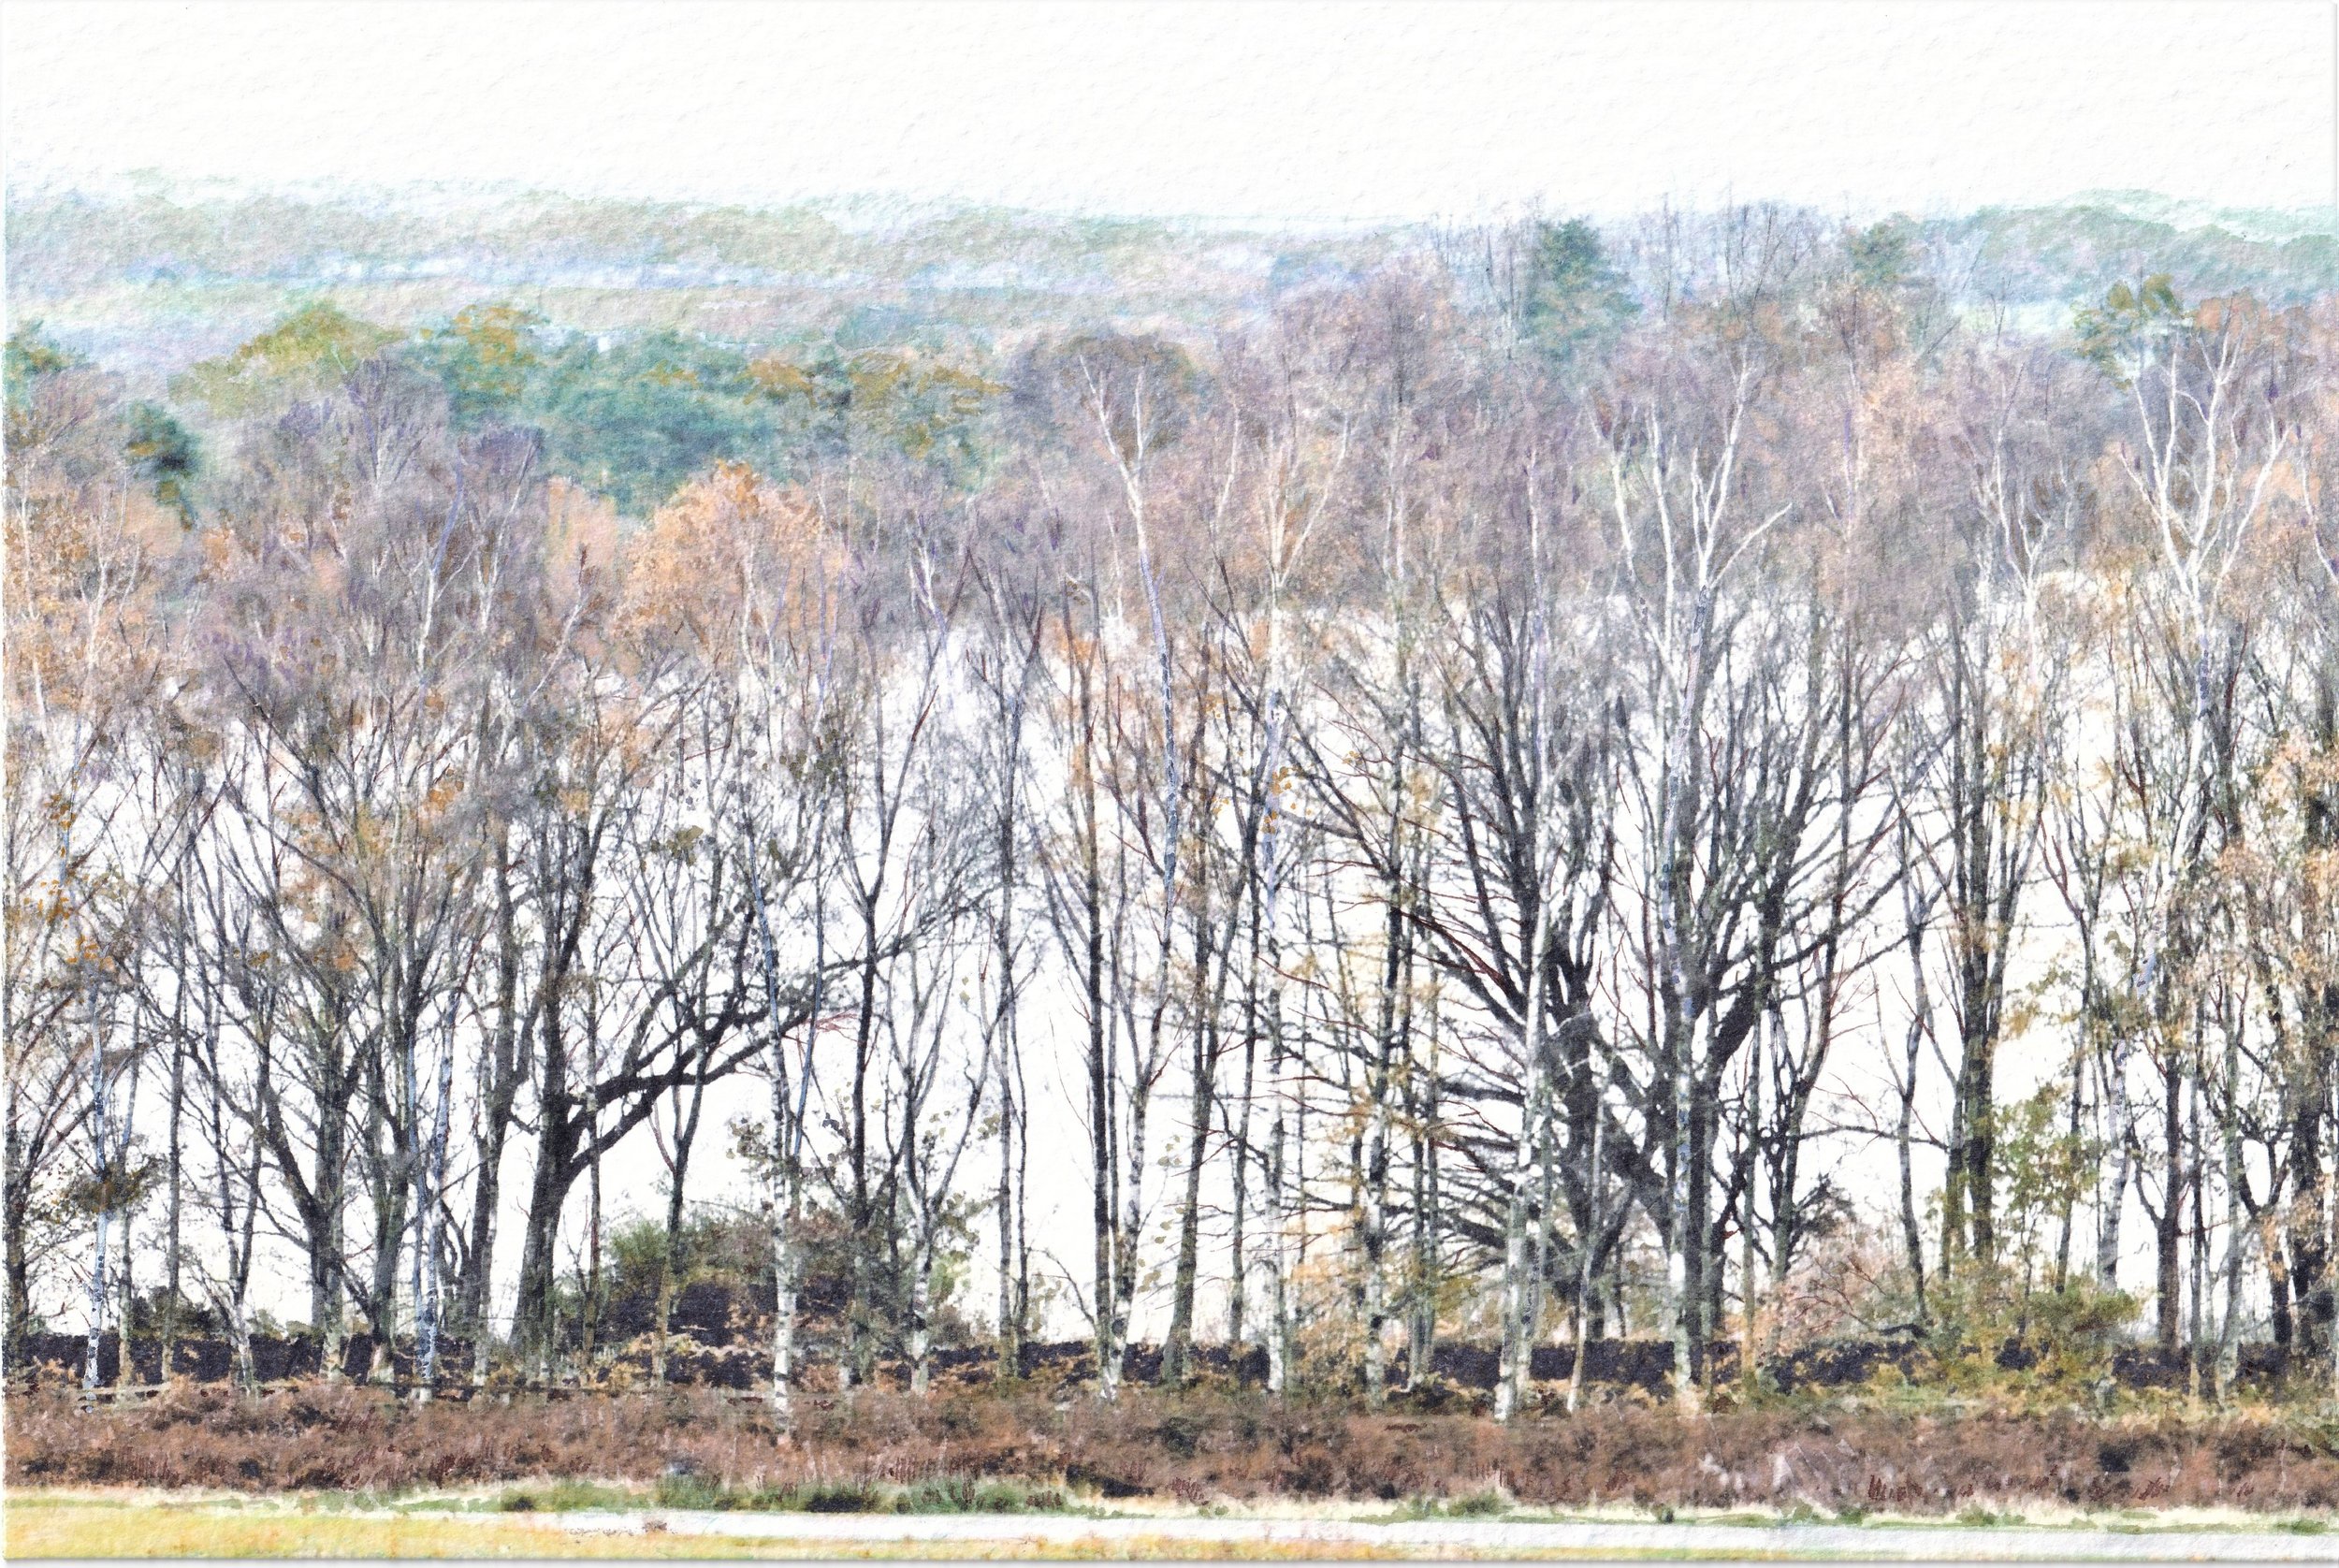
<point>1728,779</point>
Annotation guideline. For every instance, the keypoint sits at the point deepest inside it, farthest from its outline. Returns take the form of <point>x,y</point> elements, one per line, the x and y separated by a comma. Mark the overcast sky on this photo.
<point>1304,111</point>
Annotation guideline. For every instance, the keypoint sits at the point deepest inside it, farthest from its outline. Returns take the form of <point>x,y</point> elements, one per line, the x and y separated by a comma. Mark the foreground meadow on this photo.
<point>128,1522</point>
<point>1027,1449</point>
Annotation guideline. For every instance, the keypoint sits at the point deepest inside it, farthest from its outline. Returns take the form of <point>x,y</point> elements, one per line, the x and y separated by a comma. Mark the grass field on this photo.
<point>143,1524</point>
<point>353,1471</point>
<point>1019,1450</point>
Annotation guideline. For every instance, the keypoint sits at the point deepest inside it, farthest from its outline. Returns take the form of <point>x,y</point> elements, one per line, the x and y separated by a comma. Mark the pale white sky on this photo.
<point>1278,110</point>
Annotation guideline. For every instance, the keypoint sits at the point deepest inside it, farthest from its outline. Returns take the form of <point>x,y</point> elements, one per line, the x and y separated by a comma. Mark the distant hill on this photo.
<point>149,279</point>
<point>150,282</point>
<point>2076,251</point>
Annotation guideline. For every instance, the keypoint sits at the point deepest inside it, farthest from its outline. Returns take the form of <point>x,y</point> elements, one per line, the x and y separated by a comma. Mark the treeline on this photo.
<point>1495,790</point>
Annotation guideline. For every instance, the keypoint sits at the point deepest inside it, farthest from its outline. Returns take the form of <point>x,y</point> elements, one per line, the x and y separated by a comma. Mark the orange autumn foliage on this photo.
<point>732,563</point>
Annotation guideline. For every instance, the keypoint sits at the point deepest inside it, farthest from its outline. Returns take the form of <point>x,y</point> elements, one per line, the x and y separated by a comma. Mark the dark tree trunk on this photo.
<point>2169,1230</point>
<point>497,1094</point>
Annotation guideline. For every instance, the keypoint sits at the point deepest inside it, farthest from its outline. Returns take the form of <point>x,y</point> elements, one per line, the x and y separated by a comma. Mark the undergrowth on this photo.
<point>936,1495</point>
<point>1031,1450</point>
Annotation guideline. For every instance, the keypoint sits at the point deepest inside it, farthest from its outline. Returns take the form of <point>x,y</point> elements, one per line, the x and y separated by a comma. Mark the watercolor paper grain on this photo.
<point>1040,779</point>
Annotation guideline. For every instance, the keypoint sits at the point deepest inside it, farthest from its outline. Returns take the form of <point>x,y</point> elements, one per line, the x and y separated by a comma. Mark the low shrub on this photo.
<point>566,1496</point>
<point>1019,1450</point>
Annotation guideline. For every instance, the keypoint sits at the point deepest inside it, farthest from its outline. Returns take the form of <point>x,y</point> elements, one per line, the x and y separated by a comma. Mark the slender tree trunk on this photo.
<point>1177,1347</point>
<point>1098,1007</point>
<point>240,1259</point>
<point>235,1236</point>
<point>787,1171</point>
<point>788,1114</point>
<point>2170,1229</point>
<point>19,1264</point>
<point>1587,1250</point>
<point>1679,1031</point>
<point>2115,1202</point>
<point>1395,1017</point>
<point>1748,1292</point>
<point>2228,1117</point>
<point>101,1135</point>
<point>1517,1344</point>
<point>919,1334</point>
<point>1238,1246</point>
<point>1681,1283</point>
<point>855,1368</point>
<point>428,1303</point>
<point>388,1178</point>
<point>2197,1342</point>
<point>126,1315</point>
<point>2067,1203</point>
<point>671,1261</point>
<point>548,1189</point>
<point>1010,1326</point>
<point>500,1089</point>
<point>1132,1225</point>
<point>172,1244</point>
<point>1427,1274</point>
<point>1011,1364</point>
<point>784,1274</point>
<point>1278,1201</point>
<point>1912,1234</point>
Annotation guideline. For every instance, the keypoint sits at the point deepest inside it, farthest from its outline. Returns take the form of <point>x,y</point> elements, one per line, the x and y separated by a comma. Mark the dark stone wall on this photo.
<point>725,1356</point>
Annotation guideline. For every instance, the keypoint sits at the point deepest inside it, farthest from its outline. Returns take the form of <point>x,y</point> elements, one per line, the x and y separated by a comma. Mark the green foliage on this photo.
<point>31,356</point>
<point>566,1496</point>
<point>153,1312</point>
<point>1890,294</point>
<point>632,418</point>
<point>637,417</point>
<point>635,420</point>
<point>1883,255</point>
<point>311,351</point>
<point>940,1494</point>
<point>1987,1312</point>
<point>883,400</point>
<point>163,455</point>
<point>689,1489</point>
<point>1485,1504</point>
<point>2113,335</point>
<point>2042,1169</point>
<point>2077,1328</point>
<point>965,1495</point>
<point>484,358</point>
<point>42,403</point>
<point>730,1249</point>
<point>1576,300</point>
<point>2052,1334</point>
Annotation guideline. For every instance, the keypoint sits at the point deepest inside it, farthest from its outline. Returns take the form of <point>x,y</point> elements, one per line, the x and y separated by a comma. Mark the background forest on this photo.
<point>1729,780</point>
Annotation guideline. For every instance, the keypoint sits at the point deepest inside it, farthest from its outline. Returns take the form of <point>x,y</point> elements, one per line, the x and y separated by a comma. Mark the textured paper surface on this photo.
<point>744,227</point>
<point>1272,110</point>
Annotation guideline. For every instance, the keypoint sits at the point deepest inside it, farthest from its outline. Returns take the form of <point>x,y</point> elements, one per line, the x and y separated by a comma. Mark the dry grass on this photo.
<point>893,1450</point>
<point>63,1528</point>
<point>82,1528</point>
